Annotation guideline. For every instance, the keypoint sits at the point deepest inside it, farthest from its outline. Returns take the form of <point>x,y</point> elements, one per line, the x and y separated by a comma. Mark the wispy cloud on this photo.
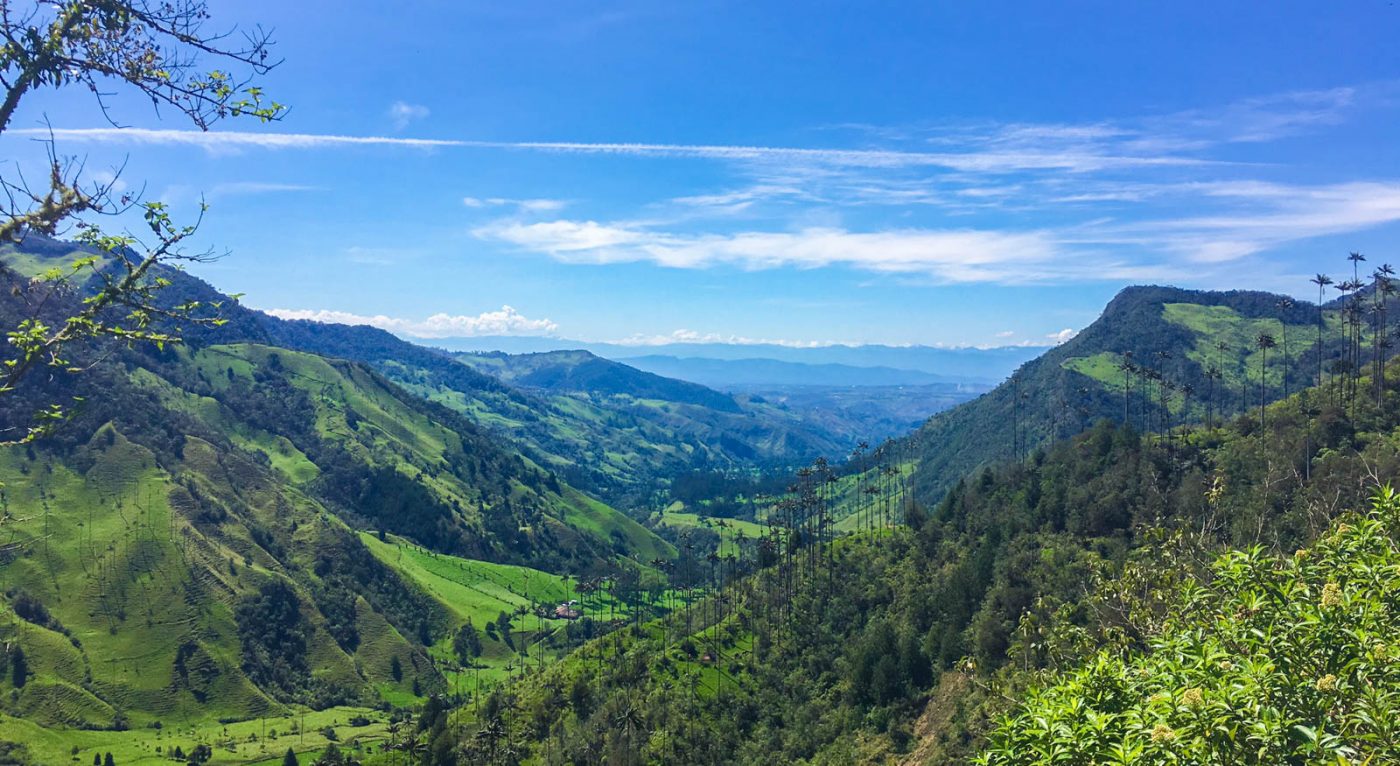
<point>537,205</point>
<point>956,256</point>
<point>184,194</point>
<point>402,114</point>
<point>258,187</point>
<point>1254,217</point>
<point>971,161</point>
<point>506,321</point>
<point>226,140</point>
<point>1143,198</point>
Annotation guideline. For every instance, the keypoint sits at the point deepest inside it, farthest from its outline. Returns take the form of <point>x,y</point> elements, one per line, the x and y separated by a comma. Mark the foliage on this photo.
<point>1170,337</point>
<point>1019,570</point>
<point>273,632</point>
<point>153,48</point>
<point>1272,659</point>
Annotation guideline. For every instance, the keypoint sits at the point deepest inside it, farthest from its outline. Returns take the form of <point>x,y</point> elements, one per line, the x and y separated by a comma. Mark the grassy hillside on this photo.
<point>137,595</point>
<point>909,644</point>
<point>182,552</point>
<point>625,445</point>
<point>480,592</point>
<point>1169,336</point>
<point>605,428</point>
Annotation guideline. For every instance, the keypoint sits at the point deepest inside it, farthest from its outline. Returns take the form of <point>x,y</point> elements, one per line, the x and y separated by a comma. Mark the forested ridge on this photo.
<point>908,642</point>
<point>855,611</point>
<point>233,536</point>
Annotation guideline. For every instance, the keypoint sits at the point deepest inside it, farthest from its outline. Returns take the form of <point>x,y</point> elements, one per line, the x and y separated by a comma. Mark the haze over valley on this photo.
<point>699,383</point>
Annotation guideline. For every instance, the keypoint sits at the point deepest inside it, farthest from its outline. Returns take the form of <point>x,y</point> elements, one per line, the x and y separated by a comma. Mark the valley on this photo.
<point>643,384</point>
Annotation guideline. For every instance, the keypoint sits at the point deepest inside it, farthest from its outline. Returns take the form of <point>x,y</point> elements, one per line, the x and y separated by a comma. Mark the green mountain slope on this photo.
<point>621,431</point>
<point>184,550</point>
<point>1169,335</point>
<point>606,428</point>
<point>909,644</point>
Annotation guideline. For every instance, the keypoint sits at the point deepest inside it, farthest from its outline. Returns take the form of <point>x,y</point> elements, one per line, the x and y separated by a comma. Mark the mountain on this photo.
<point>620,430</point>
<point>606,428</point>
<point>869,413</point>
<point>731,374</point>
<point>915,641</point>
<point>582,372</point>
<point>973,364</point>
<point>229,529</point>
<point>1168,335</point>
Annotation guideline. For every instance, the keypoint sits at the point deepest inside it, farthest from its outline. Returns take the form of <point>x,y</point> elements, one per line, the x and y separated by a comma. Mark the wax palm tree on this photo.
<point>1128,369</point>
<point>629,721</point>
<point>1212,375</point>
<point>1356,261</point>
<point>1285,307</point>
<point>394,728</point>
<point>488,738</point>
<point>1187,391</point>
<point>1380,344</point>
<point>1220,348</point>
<point>1348,315</point>
<point>1322,281</point>
<point>1264,342</point>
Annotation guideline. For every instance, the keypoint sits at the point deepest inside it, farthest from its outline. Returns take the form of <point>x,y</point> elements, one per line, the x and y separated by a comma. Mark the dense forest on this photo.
<point>907,641</point>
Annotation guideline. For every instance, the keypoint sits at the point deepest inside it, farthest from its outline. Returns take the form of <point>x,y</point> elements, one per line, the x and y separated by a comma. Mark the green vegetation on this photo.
<point>916,648</point>
<point>1268,659</point>
<point>1159,358</point>
<point>251,741</point>
<point>180,553</point>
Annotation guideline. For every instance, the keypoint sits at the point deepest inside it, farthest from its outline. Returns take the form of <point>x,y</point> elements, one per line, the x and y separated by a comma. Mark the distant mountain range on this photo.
<point>950,364</point>
<point>732,374</point>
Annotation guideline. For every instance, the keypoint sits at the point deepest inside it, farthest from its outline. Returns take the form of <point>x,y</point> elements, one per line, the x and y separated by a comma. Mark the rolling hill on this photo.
<point>203,541</point>
<point>605,428</point>
<point>1167,334</point>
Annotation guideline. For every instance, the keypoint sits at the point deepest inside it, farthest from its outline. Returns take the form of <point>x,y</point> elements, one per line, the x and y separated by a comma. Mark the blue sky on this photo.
<point>932,173</point>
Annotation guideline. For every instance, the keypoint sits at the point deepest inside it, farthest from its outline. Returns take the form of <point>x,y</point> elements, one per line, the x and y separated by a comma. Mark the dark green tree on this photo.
<point>467,643</point>
<point>19,668</point>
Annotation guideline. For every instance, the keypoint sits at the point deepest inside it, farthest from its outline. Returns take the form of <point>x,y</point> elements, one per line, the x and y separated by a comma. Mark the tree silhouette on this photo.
<point>1322,281</point>
<point>1264,342</point>
<point>1285,306</point>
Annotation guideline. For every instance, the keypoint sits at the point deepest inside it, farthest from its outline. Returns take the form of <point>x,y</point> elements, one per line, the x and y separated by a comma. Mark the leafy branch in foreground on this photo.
<point>156,48</point>
<point>125,284</point>
<point>1273,660</point>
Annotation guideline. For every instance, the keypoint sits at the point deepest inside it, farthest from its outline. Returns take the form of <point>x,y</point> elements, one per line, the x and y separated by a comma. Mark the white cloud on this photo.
<point>1006,333</point>
<point>537,205</point>
<point>1266,215</point>
<point>506,321</point>
<point>257,187</point>
<point>970,161</point>
<point>402,113</point>
<point>1063,335</point>
<point>956,255</point>
<point>692,336</point>
<point>217,140</point>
